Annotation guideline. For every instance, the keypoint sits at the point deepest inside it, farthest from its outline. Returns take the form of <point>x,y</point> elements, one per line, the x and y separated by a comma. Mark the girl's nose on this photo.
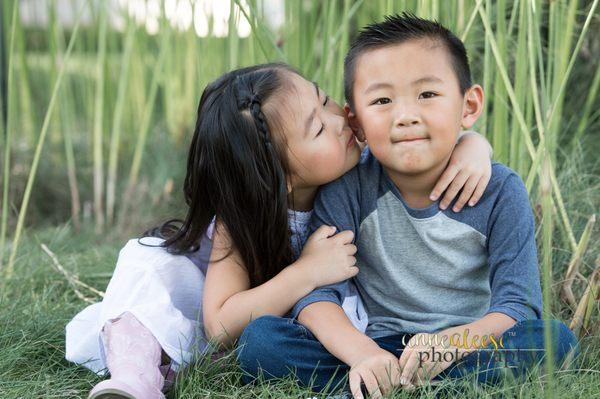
<point>339,121</point>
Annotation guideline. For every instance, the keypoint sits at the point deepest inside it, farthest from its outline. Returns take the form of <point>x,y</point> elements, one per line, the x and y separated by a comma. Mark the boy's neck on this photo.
<point>302,199</point>
<point>416,188</point>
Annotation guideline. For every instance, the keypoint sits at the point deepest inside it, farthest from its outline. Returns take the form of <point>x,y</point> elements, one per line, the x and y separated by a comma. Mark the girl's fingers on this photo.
<point>324,231</point>
<point>458,182</point>
<point>345,237</point>
<point>351,249</point>
<point>479,190</point>
<point>351,261</point>
<point>444,181</point>
<point>466,193</point>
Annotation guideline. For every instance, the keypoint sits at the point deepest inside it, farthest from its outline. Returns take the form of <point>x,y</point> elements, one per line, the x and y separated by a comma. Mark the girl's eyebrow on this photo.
<point>312,114</point>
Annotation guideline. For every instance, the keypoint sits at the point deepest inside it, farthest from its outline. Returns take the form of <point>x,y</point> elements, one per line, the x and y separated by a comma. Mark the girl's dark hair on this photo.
<point>236,172</point>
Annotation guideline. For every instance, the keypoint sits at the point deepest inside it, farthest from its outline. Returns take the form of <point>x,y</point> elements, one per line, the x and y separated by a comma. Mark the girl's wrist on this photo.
<point>303,275</point>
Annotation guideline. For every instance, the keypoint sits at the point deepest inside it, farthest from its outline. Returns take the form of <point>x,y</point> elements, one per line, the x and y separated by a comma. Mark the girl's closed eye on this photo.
<point>322,124</point>
<point>427,94</point>
<point>320,130</point>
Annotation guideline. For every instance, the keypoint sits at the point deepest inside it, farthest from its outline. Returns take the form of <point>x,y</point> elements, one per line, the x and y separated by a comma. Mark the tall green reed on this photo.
<point>525,53</point>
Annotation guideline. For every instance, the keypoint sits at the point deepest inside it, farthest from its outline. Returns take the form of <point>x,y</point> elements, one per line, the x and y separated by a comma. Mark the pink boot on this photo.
<point>133,358</point>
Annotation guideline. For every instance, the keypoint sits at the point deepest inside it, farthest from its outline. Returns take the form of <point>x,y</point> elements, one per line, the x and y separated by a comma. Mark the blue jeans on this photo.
<point>275,347</point>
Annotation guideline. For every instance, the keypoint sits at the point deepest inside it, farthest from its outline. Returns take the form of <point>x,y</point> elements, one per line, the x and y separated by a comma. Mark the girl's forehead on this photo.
<point>295,105</point>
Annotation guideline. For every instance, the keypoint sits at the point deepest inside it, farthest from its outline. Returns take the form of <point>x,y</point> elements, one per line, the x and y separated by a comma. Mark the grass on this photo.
<point>98,122</point>
<point>37,303</point>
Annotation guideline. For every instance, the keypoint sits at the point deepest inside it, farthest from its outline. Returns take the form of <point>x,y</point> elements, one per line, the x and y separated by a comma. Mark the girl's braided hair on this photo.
<point>237,174</point>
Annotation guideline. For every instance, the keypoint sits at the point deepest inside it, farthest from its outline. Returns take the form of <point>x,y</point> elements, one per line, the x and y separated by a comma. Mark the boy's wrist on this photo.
<point>361,347</point>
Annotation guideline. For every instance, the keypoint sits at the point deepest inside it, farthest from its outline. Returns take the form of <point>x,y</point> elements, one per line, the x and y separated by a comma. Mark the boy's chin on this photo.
<point>409,167</point>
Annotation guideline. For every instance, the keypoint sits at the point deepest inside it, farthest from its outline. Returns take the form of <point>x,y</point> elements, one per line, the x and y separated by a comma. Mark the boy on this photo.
<point>433,282</point>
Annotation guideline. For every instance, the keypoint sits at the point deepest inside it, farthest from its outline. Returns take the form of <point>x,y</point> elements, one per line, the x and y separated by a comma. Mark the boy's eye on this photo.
<point>427,94</point>
<point>382,101</point>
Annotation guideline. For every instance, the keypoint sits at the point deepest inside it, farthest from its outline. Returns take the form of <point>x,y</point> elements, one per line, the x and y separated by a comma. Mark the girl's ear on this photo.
<point>353,123</point>
<point>472,106</point>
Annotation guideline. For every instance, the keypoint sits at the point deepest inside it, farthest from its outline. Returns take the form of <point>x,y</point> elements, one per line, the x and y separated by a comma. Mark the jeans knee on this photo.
<point>564,341</point>
<point>255,343</point>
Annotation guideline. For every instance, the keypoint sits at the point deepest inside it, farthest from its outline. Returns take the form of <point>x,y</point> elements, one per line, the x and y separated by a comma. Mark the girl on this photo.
<point>264,141</point>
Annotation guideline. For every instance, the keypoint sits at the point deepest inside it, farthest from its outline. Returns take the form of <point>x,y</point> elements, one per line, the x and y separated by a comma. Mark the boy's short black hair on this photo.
<point>396,29</point>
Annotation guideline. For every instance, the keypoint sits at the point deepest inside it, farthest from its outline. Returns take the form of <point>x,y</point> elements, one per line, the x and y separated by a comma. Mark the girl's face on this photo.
<point>320,145</point>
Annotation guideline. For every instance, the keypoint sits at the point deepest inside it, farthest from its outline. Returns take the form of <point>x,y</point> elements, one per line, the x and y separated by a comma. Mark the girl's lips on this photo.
<point>351,141</point>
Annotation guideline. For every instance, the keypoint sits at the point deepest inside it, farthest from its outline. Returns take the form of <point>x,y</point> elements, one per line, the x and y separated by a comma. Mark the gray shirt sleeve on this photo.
<point>336,205</point>
<point>514,274</point>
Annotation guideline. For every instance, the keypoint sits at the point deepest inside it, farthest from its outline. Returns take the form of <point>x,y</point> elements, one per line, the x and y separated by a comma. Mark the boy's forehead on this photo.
<point>402,61</point>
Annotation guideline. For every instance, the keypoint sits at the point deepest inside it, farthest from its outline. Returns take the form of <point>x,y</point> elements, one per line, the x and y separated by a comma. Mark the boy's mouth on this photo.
<point>411,139</point>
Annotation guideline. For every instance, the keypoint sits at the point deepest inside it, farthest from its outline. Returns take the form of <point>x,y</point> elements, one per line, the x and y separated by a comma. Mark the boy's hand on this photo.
<point>469,169</point>
<point>418,362</point>
<point>378,370</point>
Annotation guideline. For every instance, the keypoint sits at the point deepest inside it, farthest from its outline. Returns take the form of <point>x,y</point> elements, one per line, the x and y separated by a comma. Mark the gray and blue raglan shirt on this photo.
<point>424,270</point>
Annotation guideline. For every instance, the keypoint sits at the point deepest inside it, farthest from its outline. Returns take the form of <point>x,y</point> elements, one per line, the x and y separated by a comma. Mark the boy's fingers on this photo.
<point>458,182</point>
<point>404,357</point>
<point>355,380</point>
<point>443,182</point>
<point>408,371</point>
<point>389,378</point>
<point>371,383</point>
<point>467,192</point>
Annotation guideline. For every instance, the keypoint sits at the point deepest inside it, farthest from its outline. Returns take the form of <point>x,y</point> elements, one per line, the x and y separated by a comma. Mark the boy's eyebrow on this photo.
<point>312,114</point>
<point>376,86</point>
<point>384,85</point>
<point>427,79</point>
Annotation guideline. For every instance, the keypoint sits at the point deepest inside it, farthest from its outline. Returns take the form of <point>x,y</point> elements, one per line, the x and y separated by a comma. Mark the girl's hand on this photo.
<point>329,258</point>
<point>469,169</point>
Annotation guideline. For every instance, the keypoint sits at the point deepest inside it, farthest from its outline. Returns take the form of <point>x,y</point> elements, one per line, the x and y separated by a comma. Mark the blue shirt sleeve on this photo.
<point>514,273</point>
<point>336,205</point>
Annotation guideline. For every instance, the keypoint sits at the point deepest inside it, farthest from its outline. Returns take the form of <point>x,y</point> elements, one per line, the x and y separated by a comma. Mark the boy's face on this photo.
<point>408,104</point>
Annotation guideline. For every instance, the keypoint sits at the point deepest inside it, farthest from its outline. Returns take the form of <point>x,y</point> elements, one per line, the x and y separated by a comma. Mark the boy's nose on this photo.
<point>406,120</point>
<point>406,117</point>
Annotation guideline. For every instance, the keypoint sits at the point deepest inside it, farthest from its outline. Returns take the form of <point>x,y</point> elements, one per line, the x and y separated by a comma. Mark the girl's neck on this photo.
<point>302,198</point>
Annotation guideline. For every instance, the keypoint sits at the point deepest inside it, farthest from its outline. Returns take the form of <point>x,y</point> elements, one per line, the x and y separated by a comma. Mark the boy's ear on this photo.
<point>472,106</point>
<point>353,123</point>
